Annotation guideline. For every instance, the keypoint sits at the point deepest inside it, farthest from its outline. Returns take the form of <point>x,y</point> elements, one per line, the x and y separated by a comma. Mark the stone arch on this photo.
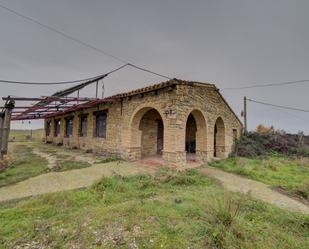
<point>219,138</point>
<point>196,136</point>
<point>146,132</point>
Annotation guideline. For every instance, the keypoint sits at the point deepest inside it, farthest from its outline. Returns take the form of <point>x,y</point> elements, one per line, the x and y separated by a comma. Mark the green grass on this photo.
<point>290,174</point>
<point>63,165</point>
<point>167,210</point>
<point>24,164</point>
<point>22,135</point>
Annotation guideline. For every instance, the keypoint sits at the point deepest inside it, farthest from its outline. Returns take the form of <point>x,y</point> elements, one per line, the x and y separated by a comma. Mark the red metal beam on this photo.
<point>40,107</point>
<point>41,112</point>
<point>47,98</point>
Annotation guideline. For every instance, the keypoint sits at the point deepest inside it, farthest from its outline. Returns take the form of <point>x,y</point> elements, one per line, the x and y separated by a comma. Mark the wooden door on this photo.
<point>160,132</point>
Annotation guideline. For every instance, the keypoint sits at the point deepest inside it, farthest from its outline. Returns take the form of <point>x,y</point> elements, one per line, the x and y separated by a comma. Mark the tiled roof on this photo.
<point>150,88</point>
<point>160,86</point>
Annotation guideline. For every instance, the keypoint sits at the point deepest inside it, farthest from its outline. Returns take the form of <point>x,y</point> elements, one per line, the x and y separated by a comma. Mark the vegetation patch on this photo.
<point>290,174</point>
<point>253,144</point>
<point>167,210</point>
<point>109,158</point>
<point>63,165</point>
<point>26,135</point>
<point>23,164</point>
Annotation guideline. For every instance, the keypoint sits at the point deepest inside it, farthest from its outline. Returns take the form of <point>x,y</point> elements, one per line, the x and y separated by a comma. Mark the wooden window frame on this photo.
<point>48,128</point>
<point>81,118</point>
<point>97,132</point>
<point>56,132</point>
<point>68,121</point>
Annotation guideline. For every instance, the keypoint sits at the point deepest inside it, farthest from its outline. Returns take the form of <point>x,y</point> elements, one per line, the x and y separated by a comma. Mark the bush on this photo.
<point>254,144</point>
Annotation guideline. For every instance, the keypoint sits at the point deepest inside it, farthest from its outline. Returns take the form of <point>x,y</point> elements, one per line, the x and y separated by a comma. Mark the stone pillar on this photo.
<point>174,153</point>
<point>201,156</point>
<point>76,129</point>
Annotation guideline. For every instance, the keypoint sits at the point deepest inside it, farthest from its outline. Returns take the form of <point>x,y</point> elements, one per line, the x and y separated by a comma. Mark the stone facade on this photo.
<point>161,119</point>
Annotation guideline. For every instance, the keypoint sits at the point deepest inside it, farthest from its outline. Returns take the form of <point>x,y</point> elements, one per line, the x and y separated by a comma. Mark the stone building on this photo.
<point>175,121</point>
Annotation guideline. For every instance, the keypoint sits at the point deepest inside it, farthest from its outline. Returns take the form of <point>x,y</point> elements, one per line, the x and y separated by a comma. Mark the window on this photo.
<point>48,128</point>
<point>69,127</point>
<point>100,126</point>
<point>57,127</point>
<point>234,135</point>
<point>83,126</point>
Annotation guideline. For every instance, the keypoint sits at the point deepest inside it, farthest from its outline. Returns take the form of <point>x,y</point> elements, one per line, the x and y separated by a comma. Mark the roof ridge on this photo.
<point>159,86</point>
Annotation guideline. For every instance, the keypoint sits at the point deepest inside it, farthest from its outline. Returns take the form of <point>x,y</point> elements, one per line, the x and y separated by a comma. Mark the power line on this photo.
<point>62,82</point>
<point>72,38</point>
<point>148,71</point>
<point>62,33</point>
<point>291,114</point>
<point>266,85</point>
<point>278,106</point>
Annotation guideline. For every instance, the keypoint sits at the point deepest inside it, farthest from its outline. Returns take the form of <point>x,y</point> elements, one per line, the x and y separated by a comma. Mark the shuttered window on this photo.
<point>83,126</point>
<point>69,127</point>
<point>48,127</point>
<point>234,135</point>
<point>100,128</point>
<point>57,127</point>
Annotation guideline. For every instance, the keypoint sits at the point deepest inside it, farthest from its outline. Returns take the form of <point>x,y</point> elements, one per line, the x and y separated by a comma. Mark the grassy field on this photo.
<point>22,135</point>
<point>23,163</point>
<point>168,210</point>
<point>289,174</point>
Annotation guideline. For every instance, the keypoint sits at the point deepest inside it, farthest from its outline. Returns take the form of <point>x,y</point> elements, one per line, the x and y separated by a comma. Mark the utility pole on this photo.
<point>6,128</point>
<point>245,114</point>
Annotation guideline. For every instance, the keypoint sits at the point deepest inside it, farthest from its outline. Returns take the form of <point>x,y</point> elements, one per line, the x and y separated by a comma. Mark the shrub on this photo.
<point>253,144</point>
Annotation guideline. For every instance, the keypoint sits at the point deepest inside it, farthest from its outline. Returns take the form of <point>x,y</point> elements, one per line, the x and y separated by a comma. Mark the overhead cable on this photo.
<point>63,82</point>
<point>72,38</point>
<point>278,106</point>
<point>266,85</point>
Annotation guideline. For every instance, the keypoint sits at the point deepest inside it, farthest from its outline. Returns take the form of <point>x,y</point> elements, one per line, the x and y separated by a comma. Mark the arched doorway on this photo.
<point>147,134</point>
<point>196,137</point>
<point>219,138</point>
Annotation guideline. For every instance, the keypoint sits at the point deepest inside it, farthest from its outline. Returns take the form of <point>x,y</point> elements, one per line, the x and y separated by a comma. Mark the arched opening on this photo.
<point>219,138</point>
<point>191,138</point>
<point>147,134</point>
<point>196,132</point>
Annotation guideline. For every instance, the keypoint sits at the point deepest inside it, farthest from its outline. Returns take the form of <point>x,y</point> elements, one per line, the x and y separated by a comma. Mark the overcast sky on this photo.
<point>226,42</point>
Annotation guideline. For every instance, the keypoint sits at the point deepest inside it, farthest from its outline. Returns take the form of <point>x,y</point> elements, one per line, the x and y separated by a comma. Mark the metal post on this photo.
<point>77,102</point>
<point>96,89</point>
<point>5,131</point>
<point>103,89</point>
<point>245,114</point>
<point>6,128</point>
<point>1,129</point>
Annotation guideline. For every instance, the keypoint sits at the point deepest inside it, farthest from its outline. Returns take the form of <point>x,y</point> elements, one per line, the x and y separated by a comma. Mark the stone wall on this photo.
<point>132,127</point>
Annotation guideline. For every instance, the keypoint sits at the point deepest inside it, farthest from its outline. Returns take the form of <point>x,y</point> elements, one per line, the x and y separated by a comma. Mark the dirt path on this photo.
<point>52,158</point>
<point>258,190</point>
<point>68,180</point>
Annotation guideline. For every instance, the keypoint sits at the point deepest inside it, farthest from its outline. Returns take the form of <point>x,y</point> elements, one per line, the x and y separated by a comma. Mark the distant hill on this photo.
<point>24,135</point>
